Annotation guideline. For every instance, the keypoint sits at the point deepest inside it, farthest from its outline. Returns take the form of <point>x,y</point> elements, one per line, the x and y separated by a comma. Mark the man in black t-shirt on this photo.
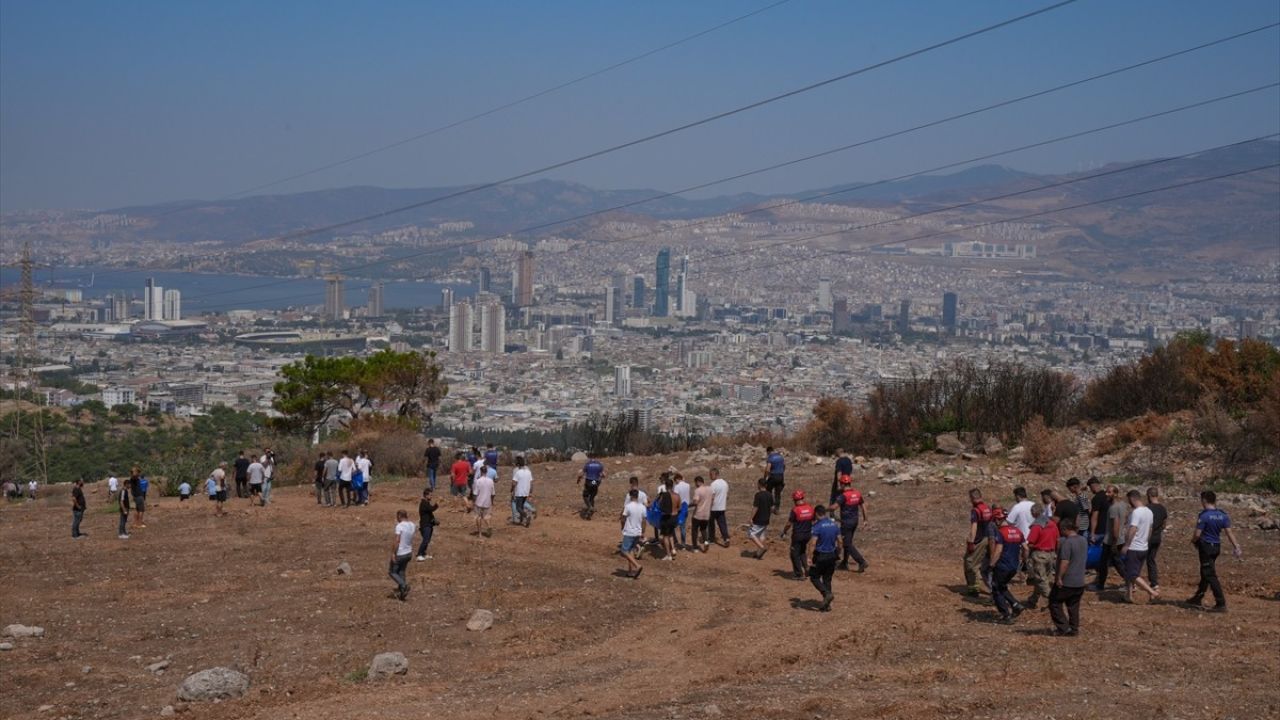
<point>844,466</point>
<point>1099,505</point>
<point>242,475</point>
<point>432,456</point>
<point>763,504</point>
<point>1159,517</point>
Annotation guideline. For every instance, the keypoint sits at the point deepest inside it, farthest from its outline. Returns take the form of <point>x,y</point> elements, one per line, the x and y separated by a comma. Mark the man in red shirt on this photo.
<point>460,473</point>
<point>1041,549</point>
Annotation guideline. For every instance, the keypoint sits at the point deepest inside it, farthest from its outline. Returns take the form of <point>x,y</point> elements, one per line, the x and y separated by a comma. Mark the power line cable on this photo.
<point>810,198</point>
<point>1019,218</point>
<point>791,241</point>
<point>500,108</point>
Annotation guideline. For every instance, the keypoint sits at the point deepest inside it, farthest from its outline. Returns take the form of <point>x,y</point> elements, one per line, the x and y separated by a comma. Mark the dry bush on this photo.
<point>1044,448</point>
<point>834,426</point>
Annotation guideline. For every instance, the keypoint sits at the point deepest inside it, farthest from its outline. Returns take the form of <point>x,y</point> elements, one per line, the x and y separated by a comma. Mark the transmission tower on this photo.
<point>29,443</point>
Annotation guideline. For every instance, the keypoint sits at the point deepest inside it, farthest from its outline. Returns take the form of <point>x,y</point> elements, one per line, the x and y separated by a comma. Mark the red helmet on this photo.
<point>797,495</point>
<point>997,513</point>
<point>845,479</point>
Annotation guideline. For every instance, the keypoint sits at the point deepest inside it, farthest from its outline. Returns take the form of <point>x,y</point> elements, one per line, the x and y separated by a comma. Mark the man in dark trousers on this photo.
<point>432,456</point>
<point>826,534</point>
<point>1006,557</point>
<point>1160,516</point>
<point>853,508</point>
<point>242,475</point>
<point>844,466</point>
<point>1211,525</point>
<point>800,525</point>
<point>775,468</point>
<point>1068,587</point>
<point>77,509</point>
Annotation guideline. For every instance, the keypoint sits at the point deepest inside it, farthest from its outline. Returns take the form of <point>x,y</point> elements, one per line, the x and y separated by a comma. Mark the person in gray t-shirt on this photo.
<point>1113,539</point>
<point>1068,588</point>
<point>330,478</point>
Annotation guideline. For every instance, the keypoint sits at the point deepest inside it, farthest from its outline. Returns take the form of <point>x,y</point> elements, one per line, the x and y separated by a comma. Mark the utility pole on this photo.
<point>28,432</point>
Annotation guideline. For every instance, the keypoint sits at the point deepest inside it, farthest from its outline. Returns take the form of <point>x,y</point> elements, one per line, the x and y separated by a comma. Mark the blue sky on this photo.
<point>109,104</point>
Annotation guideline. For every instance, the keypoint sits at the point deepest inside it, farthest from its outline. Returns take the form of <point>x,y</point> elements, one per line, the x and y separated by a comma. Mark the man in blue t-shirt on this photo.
<point>826,535</point>
<point>775,468</point>
<point>590,476</point>
<point>1006,557</point>
<point>1210,527</point>
<point>491,456</point>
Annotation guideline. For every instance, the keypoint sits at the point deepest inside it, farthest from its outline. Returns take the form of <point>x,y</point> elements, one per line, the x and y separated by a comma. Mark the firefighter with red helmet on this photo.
<point>1005,558</point>
<point>852,507</point>
<point>800,525</point>
<point>976,563</point>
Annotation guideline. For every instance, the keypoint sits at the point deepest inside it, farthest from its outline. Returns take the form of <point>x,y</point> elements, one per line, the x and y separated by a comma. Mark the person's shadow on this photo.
<point>963,592</point>
<point>989,616</point>
<point>786,575</point>
<point>811,605</point>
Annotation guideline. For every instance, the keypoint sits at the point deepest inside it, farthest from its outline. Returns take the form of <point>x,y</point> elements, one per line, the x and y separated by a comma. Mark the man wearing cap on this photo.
<point>1005,557</point>
<point>800,525</point>
<point>852,507</point>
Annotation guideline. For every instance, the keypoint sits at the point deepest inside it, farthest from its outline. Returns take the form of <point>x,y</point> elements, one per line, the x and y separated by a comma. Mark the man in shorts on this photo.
<point>219,478</point>
<point>763,508</point>
<point>459,479</point>
<point>669,507</point>
<point>1136,544</point>
<point>632,523</point>
<point>256,471</point>
<point>482,503</point>
<point>402,553</point>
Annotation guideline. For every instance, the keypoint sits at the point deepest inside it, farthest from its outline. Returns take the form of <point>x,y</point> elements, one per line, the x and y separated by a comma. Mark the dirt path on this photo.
<point>714,635</point>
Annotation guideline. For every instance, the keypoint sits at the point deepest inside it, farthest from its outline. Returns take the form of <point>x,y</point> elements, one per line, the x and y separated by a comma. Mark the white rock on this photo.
<point>480,620</point>
<point>21,631</point>
<point>579,457</point>
<point>386,664</point>
<point>344,568</point>
<point>217,683</point>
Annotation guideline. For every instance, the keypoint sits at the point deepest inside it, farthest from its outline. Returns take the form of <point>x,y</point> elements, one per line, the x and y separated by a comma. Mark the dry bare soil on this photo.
<point>714,635</point>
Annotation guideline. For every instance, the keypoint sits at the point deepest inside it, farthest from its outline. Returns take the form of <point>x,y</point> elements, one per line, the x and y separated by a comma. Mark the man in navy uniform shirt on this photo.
<point>826,535</point>
<point>1210,527</point>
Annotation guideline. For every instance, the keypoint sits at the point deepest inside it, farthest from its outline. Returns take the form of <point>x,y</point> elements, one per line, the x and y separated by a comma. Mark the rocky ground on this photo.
<point>714,635</point>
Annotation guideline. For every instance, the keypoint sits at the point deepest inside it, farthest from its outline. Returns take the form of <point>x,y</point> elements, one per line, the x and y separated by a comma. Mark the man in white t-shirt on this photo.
<point>719,502</point>
<point>346,469</point>
<point>1136,545</point>
<point>685,493</point>
<point>522,490</point>
<point>256,471</point>
<point>482,502</point>
<point>268,461</point>
<point>401,553</point>
<point>632,521</point>
<point>113,488</point>
<point>1020,514</point>
<point>365,467</point>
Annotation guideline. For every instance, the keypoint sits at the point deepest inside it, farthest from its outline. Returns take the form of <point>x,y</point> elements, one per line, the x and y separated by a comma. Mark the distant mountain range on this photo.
<point>1239,216</point>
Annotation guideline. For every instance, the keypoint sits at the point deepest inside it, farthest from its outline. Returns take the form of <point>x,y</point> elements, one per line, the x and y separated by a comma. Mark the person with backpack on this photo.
<point>364,465</point>
<point>800,526</point>
<point>1211,525</point>
<point>590,477</point>
<point>1005,551</point>
<point>684,494</point>
<point>976,550</point>
<point>853,508</point>
<point>826,534</point>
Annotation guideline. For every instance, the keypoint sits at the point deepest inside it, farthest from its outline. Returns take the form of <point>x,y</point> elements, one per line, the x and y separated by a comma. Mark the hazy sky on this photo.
<point>104,104</point>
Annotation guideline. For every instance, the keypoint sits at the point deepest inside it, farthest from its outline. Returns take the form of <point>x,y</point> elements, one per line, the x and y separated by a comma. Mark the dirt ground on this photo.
<point>714,635</point>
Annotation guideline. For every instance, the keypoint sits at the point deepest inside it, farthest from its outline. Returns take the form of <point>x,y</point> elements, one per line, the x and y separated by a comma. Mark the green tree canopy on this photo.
<point>317,390</point>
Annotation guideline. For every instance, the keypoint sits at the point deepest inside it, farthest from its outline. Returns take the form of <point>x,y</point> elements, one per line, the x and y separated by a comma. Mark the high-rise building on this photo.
<point>523,291</point>
<point>446,297</point>
<point>120,307</point>
<point>172,305</point>
<point>374,308</point>
<point>904,317</point>
<point>622,381</point>
<point>662,284</point>
<point>484,280</point>
<point>334,305</point>
<point>493,328</point>
<point>638,294</point>
<point>682,309</point>
<point>610,305</point>
<point>824,295</point>
<point>840,320</point>
<point>460,327</point>
<point>152,301</point>
<point>949,301</point>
